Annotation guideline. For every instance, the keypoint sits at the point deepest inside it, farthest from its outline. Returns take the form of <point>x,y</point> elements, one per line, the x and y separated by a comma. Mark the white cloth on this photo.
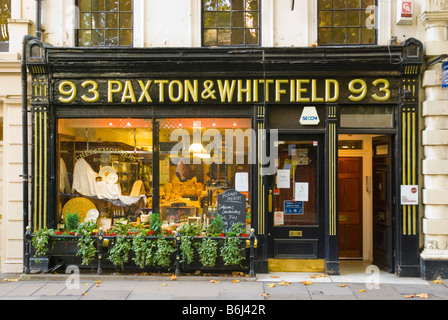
<point>84,181</point>
<point>64,184</point>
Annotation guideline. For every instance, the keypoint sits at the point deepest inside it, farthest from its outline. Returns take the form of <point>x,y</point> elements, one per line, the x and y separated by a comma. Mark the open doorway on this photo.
<point>365,195</point>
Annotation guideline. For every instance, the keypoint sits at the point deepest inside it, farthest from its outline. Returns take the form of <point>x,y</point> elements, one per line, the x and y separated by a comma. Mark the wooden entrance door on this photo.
<point>350,207</point>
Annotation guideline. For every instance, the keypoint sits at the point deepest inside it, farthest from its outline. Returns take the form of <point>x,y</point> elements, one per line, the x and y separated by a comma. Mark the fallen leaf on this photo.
<point>264,294</point>
<point>409,296</point>
<point>236,281</point>
<point>214,281</point>
<point>85,284</point>
<point>362,290</point>
<point>275,277</point>
<point>11,280</point>
<point>173,277</point>
<point>284,283</point>
<point>438,281</point>
<point>307,283</point>
<point>98,282</point>
<point>422,295</point>
<point>84,293</point>
<point>164,284</point>
<point>342,285</point>
<point>271,285</point>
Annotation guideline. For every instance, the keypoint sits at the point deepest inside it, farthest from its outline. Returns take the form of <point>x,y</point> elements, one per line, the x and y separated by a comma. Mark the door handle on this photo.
<point>270,201</point>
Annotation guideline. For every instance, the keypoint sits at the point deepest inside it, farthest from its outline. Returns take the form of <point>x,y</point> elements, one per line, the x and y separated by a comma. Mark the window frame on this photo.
<point>359,26</point>
<point>105,28</point>
<point>258,28</point>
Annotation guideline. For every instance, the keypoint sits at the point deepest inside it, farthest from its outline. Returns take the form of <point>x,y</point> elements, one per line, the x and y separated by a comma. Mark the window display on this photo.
<point>106,169</point>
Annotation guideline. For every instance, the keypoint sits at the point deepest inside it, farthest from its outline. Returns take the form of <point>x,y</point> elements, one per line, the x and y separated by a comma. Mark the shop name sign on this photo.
<point>239,91</point>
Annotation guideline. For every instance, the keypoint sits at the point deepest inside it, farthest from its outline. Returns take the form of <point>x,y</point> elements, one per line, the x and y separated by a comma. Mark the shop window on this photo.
<point>199,160</point>
<point>367,117</point>
<point>105,169</point>
<point>347,22</point>
<point>5,14</point>
<point>105,23</point>
<point>230,23</point>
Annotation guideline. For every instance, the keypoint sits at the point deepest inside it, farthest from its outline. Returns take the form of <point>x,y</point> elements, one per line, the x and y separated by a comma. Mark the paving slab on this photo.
<point>329,289</point>
<point>381,292</point>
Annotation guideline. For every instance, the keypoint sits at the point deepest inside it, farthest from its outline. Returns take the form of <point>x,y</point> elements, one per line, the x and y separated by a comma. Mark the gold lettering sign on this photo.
<point>160,91</point>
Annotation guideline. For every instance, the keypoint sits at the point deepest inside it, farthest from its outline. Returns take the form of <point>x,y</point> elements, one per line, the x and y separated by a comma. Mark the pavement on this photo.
<point>186,293</point>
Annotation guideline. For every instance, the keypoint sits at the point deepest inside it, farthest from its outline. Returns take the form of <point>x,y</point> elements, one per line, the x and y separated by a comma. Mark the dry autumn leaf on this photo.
<point>264,294</point>
<point>342,285</point>
<point>173,277</point>
<point>236,281</point>
<point>164,284</point>
<point>307,283</point>
<point>271,285</point>
<point>362,290</point>
<point>284,283</point>
<point>438,281</point>
<point>422,295</point>
<point>214,281</point>
<point>275,277</point>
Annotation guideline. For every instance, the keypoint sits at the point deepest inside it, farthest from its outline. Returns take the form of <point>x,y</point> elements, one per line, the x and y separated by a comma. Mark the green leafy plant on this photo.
<point>164,250</point>
<point>119,254</point>
<point>208,252</point>
<point>72,221</point>
<point>87,249</point>
<point>144,250</point>
<point>187,251</point>
<point>231,252</point>
<point>155,223</point>
<point>216,227</point>
<point>40,241</point>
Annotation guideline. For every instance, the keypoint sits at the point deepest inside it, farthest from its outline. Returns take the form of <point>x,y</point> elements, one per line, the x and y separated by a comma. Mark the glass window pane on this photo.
<point>210,5</point>
<point>325,4</point>
<point>84,5</point>
<point>223,19</point>
<point>325,19</point>
<point>210,37</point>
<point>237,4</point>
<point>340,35</point>
<point>325,36</point>
<point>353,36</point>
<point>367,117</point>
<point>111,5</point>
<point>353,18</point>
<point>224,37</point>
<point>366,3</point>
<point>111,37</point>
<point>98,37</point>
<point>112,20</point>
<point>252,36</point>
<point>85,21</point>
<point>252,19</point>
<point>368,36</point>
<point>302,176</point>
<point>238,19</point>
<point>252,5</point>
<point>238,36</point>
<point>125,37</point>
<point>90,163</point>
<point>98,20</point>
<point>224,5</point>
<point>210,19</point>
<point>126,20</point>
<point>339,18</point>
<point>98,5</point>
<point>353,4</point>
<point>339,4</point>
<point>84,38</point>
<point>125,5</point>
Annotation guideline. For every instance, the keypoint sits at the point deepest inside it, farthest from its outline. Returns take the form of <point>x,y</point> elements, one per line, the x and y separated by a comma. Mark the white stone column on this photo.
<point>434,17</point>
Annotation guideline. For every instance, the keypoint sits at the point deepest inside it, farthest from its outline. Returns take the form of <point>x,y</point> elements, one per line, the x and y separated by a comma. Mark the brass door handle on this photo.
<point>270,201</point>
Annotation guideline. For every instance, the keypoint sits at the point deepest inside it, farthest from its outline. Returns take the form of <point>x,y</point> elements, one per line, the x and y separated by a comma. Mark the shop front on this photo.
<point>245,137</point>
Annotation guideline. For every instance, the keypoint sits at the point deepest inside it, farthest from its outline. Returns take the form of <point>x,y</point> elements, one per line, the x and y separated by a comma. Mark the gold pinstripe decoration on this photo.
<point>40,168</point>
<point>332,175</point>
<point>261,190</point>
<point>409,167</point>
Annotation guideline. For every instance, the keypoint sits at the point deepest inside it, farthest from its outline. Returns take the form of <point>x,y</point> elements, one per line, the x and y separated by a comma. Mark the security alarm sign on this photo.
<point>409,194</point>
<point>404,11</point>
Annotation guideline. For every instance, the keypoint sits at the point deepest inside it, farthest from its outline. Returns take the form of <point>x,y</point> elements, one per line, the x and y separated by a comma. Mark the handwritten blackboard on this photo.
<point>232,208</point>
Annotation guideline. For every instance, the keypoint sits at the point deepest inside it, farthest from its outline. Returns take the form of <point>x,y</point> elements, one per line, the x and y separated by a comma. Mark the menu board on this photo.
<point>232,208</point>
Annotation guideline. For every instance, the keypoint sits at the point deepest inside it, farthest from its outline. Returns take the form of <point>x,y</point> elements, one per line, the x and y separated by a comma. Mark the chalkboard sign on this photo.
<point>232,208</point>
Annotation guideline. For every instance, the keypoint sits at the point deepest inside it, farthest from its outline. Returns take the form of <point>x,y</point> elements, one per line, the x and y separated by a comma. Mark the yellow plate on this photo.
<point>79,205</point>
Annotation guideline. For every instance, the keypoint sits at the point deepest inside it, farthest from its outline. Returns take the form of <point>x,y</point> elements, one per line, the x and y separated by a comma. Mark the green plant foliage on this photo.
<point>208,252</point>
<point>119,254</point>
<point>155,224</point>
<point>216,227</point>
<point>87,249</point>
<point>144,249</point>
<point>231,252</point>
<point>187,251</point>
<point>72,221</point>
<point>164,250</point>
<point>40,241</point>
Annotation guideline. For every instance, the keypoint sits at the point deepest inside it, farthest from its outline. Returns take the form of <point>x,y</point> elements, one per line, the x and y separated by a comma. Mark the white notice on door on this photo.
<point>242,181</point>
<point>301,191</point>
<point>278,218</point>
<point>283,179</point>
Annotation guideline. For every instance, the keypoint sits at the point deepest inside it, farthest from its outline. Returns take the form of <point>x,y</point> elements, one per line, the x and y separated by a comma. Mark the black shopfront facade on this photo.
<point>124,109</point>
